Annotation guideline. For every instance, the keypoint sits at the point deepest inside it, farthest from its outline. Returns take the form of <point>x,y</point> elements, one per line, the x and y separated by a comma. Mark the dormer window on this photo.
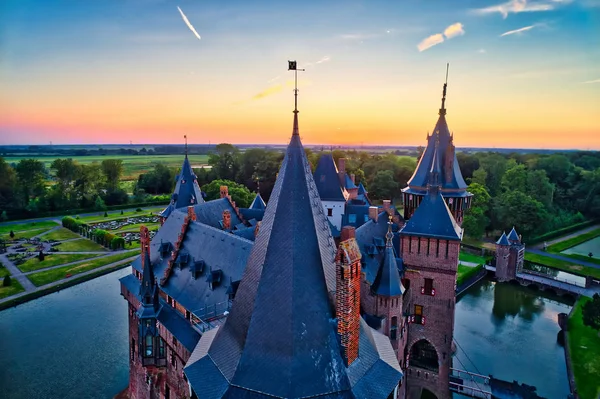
<point>197,268</point>
<point>182,259</point>
<point>232,289</point>
<point>214,278</point>
<point>165,249</point>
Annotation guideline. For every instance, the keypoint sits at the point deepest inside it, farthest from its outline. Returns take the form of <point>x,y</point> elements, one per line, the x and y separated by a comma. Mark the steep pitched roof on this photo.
<point>187,192</point>
<point>348,183</point>
<point>450,176</point>
<point>211,212</point>
<point>258,203</point>
<point>279,339</point>
<point>388,283</point>
<point>503,240</point>
<point>433,219</point>
<point>327,179</point>
<point>513,236</point>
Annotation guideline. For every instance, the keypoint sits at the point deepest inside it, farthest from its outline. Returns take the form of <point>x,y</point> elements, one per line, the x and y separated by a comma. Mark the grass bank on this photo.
<point>52,260</point>
<point>584,346</point>
<point>466,272</point>
<point>6,228</point>
<point>60,234</point>
<point>67,283</point>
<point>562,265</point>
<point>571,242</point>
<point>14,288</point>
<point>24,234</point>
<point>466,257</point>
<point>50,276</point>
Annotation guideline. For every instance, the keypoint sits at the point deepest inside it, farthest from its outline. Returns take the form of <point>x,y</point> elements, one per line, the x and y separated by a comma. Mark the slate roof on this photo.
<point>451,176</point>
<point>513,236</point>
<point>387,282</point>
<point>187,192</point>
<point>503,240</point>
<point>287,348</point>
<point>349,184</point>
<point>327,179</point>
<point>249,214</point>
<point>211,212</point>
<point>258,203</point>
<point>432,218</point>
<point>178,326</point>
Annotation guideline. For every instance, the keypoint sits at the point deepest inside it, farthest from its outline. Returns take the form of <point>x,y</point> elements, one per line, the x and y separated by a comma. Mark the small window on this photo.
<point>418,310</point>
<point>148,350</point>
<point>167,392</point>
<point>161,348</point>
<point>329,211</point>
<point>428,288</point>
<point>394,329</point>
<point>175,342</point>
<point>418,317</point>
<point>173,359</point>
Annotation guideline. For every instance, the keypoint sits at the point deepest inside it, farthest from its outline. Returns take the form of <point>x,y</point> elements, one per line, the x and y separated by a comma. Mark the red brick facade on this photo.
<point>347,295</point>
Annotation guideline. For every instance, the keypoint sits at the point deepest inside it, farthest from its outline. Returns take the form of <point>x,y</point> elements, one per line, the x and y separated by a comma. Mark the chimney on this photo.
<point>144,241</point>
<point>191,213</point>
<point>373,213</point>
<point>353,178</point>
<point>257,228</point>
<point>226,220</point>
<point>224,191</point>
<point>347,294</point>
<point>387,205</point>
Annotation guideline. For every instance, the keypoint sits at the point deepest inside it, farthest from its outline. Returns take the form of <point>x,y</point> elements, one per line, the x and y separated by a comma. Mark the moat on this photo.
<point>73,343</point>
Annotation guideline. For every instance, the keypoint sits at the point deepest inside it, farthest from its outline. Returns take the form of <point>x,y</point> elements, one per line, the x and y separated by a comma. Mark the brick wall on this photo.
<point>503,259</point>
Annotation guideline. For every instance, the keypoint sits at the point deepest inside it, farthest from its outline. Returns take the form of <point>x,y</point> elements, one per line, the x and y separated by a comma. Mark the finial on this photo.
<point>186,148</point>
<point>292,66</point>
<point>389,235</point>
<point>443,109</point>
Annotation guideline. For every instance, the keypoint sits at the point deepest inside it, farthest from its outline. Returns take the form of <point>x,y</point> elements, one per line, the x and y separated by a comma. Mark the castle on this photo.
<point>317,294</point>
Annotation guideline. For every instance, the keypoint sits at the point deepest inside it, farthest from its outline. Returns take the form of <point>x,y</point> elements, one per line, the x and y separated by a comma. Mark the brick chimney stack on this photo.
<point>373,213</point>
<point>226,220</point>
<point>387,205</point>
<point>191,213</point>
<point>144,241</point>
<point>224,191</point>
<point>347,294</point>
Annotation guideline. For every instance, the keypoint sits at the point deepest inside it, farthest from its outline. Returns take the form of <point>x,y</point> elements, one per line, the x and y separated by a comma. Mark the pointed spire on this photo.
<point>436,170</point>
<point>147,286</point>
<point>389,235</point>
<point>387,282</point>
<point>186,147</point>
<point>292,66</point>
<point>503,240</point>
<point>443,109</point>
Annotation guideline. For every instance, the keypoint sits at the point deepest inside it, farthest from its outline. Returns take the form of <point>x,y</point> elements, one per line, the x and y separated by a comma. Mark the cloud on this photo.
<point>454,30</point>
<point>451,31</point>
<point>481,51</point>
<point>518,6</point>
<point>592,81</point>
<point>322,60</point>
<point>430,41</point>
<point>187,22</point>
<point>268,91</point>
<point>518,31</point>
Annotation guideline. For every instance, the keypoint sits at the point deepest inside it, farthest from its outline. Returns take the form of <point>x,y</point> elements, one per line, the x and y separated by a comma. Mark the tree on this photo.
<point>160,180</point>
<point>383,185</point>
<point>41,256</point>
<point>99,204</point>
<point>88,183</point>
<point>468,163</point>
<point>476,218</point>
<point>31,177</point>
<point>112,170</point>
<point>12,234</point>
<point>515,178</point>
<point>7,281</point>
<point>495,165</point>
<point>238,192</point>
<point>515,208</point>
<point>591,312</point>
<point>225,161</point>
<point>479,176</point>
<point>3,216</point>
<point>8,185</point>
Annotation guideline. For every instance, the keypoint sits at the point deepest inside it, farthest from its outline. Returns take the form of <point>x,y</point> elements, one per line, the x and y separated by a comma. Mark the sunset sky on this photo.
<point>522,73</point>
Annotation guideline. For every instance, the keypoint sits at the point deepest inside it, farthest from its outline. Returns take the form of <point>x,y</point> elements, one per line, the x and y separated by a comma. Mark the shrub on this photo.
<point>121,211</point>
<point>117,243</point>
<point>69,223</point>
<point>105,214</point>
<point>7,281</point>
<point>41,256</point>
<point>12,234</point>
<point>138,210</point>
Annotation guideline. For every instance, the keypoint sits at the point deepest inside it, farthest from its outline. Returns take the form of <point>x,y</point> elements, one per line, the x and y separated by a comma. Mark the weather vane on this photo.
<point>293,66</point>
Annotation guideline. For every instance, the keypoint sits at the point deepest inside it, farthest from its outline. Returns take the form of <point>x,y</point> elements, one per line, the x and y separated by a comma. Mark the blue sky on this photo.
<point>522,73</point>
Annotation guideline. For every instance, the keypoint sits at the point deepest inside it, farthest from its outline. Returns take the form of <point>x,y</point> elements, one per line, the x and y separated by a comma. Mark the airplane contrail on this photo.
<point>187,22</point>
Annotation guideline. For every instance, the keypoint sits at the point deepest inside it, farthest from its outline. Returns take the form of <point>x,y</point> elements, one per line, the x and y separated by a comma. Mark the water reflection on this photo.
<point>511,332</point>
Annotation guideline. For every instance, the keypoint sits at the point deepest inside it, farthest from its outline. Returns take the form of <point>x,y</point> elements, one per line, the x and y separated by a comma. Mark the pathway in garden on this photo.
<point>43,287</point>
<point>17,274</point>
<point>559,239</point>
<point>104,255</point>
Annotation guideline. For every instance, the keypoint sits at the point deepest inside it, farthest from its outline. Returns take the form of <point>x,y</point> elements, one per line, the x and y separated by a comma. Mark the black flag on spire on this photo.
<point>291,65</point>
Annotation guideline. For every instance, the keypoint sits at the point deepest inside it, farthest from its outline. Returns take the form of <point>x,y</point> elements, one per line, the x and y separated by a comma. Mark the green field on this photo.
<point>25,234</point>
<point>60,234</point>
<point>464,256</point>
<point>51,260</point>
<point>6,228</point>
<point>133,165</point>
<point>3,272</point>
<point>81,245</point>
<point>584,346</point>
<point>49,276</point>
<point>116,215</point>
<point>562,265</point>
<point>14,288</point>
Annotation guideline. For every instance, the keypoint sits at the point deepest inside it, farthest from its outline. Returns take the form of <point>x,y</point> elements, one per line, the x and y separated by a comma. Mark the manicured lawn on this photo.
<point>583,258</point>
<point>135,227</point>
<point>562,265</point>
<point>571,242</point>
<point>466,272</point>
<point>3,272</point>
<point>584,346</point>
<point>60,273</point>
<point>115,215</point>
<point>81,245</point>
<point>52,260</point>
<point>480,260</point>
<point>60,234</point>
<point>25,234</point>
<point>6,228</point>
<point>14,288</point>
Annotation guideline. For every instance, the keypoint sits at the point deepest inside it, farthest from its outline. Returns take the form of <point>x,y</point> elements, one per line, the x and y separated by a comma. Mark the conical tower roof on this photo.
<point>187,192</point>
<point>258,203</point>
<point>503,240</point>
<point>513,235</point>
<point>387,282</point>
<point>433,219</point>
<point>280,338</point>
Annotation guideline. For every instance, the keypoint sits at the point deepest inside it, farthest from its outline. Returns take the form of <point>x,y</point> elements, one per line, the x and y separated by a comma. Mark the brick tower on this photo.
<point>430,246</point>
<point>510,254</point>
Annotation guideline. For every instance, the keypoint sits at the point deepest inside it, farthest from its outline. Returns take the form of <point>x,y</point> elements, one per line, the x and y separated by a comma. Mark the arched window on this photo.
<point>424,355</point>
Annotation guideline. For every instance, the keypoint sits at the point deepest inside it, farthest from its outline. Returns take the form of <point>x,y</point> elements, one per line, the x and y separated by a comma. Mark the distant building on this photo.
<point>510,256</point>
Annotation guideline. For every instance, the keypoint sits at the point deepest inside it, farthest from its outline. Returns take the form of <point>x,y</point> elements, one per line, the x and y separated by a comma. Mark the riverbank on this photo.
<point>584,349</point>
<point>62,284</point>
